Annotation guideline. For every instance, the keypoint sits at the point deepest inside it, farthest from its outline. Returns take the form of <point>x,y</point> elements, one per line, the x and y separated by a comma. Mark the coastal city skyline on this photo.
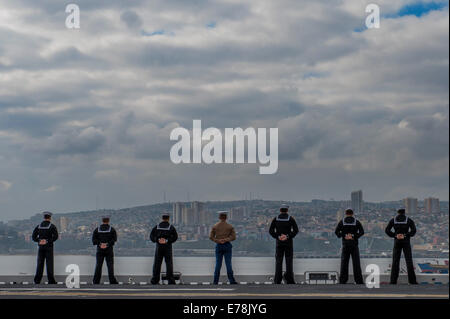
<point>355,201</point>
<point>251,217</point>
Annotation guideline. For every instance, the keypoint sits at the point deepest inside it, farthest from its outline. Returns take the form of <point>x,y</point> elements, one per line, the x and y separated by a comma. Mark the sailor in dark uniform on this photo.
<point>104,237</point>
<point>404,229</point>
<point>350,230</point>
<point>284,228</point>
<point>45,234</point>
<point>164,235</point>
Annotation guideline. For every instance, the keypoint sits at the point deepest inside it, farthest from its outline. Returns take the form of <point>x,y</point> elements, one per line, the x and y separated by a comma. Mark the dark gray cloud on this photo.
<point>131,19</point>
<point>87,140</point>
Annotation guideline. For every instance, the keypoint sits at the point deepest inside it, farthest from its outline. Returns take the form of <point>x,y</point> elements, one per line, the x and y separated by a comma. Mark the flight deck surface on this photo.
<point>242,291</point>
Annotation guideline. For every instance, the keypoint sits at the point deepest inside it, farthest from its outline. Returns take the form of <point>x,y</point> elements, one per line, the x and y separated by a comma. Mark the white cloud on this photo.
<point>5,185</point>
<point>52,188</point>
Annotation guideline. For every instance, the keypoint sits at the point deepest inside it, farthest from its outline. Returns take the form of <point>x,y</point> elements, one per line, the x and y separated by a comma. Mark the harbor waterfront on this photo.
<point>200,268</point>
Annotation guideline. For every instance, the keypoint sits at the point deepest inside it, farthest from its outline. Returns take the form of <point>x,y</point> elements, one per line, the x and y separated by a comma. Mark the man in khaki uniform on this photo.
<point>223,234</point>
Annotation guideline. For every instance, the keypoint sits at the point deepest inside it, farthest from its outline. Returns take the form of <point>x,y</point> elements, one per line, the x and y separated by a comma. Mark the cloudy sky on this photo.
<point>85,114</point>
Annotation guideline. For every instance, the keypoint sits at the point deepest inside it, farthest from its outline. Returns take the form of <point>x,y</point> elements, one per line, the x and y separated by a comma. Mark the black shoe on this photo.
<point>414,283</point>
<point>52,283</point>
<point>172,283</point>
<point>154,282</point>
<point>233,283</point>
<point>288,279</point>
<point>114,282</point>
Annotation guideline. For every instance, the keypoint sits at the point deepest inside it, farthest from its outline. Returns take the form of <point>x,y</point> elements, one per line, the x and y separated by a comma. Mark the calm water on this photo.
<point>25,265</point>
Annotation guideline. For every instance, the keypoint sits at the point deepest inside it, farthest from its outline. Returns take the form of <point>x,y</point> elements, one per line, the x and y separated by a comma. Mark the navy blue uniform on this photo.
<point>45,230</point>
<point>163,251</point>
<point>350,225</point>
<point>107,235</point>
<point>284,224</point>
<point>402,225</point>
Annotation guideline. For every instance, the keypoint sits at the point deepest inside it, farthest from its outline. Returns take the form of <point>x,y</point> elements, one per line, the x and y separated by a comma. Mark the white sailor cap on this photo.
<point>222,213</point>
<point>284,206</point>
<point>45,214</point>
<point>105,217</point>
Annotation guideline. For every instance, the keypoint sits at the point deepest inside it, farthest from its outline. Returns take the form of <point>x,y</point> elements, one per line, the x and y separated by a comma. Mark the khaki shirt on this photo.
<point>222,230</point>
